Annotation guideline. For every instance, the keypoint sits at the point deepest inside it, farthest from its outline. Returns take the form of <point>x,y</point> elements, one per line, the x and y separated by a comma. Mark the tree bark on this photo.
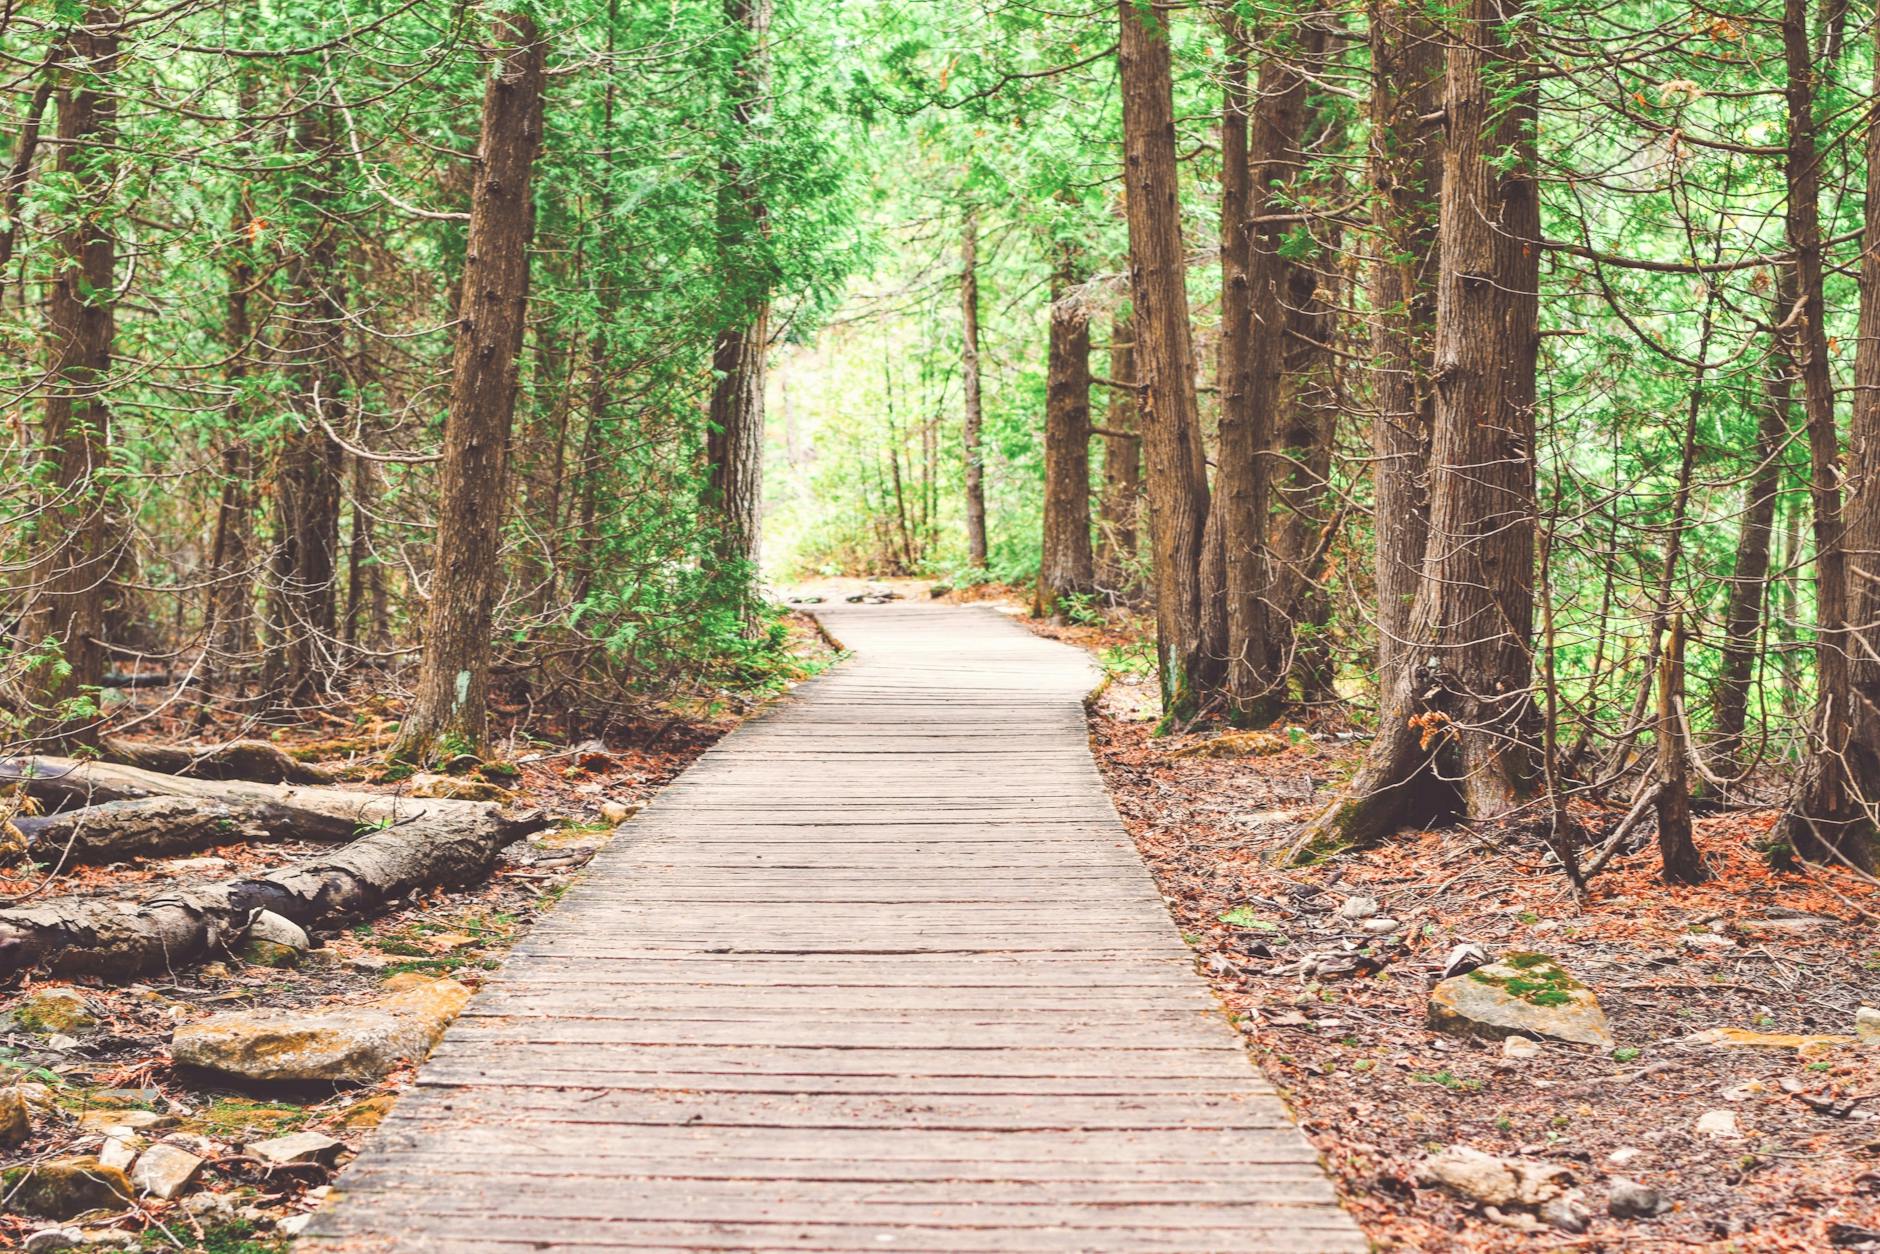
<point>1067,565</point>
<point>77,552</point>
<point>122,939</point>
<point>974,418</point>
<point>1679,860</point>
<point>1456,729</point>
<point>1177,475</point>
<point>255,760</point>
<point>1822,822</point>
<point>1122,466</point>
<point>1406,182</point>
<point>735,441</point>
<point>151,827</point>
<point>302,608</point>
<point>1239,501</point>
<point>453,682</point>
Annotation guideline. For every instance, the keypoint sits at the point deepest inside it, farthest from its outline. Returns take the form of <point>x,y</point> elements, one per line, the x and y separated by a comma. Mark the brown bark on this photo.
<point>150,827</point>
<point>1239,502</point>
<point>974,417</point>
<point>1067,566</point>
<point>1177,475</point>
<point>1456,729</point>
<point>735,440</point>
<point>77,551</point>
<point>1749,577</point>
<point>453,681</point>
<point>228,628</point>
<point>304,567</point>
<point>255,760</point>
<point>1822,821</point>
<point>1679,860</point>
<point>20,173</point>
<point>1122,466</point>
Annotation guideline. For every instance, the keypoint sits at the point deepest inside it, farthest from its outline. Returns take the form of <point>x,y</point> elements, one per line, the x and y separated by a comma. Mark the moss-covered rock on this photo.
<point>50,1010</point>
<point>65,1188</point>
<point>1522,994</point>
<point>347,1044</point>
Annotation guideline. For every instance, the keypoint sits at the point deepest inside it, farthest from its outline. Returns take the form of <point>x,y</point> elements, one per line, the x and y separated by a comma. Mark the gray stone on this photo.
<point>48,1239</point>
<point>346,1044</point>
<point>121,1147</point>
<point>1629,1199</point>
<point>1718,1123</point>
<point>1867,1023</point>
<point>164,1171</point>
<point>1493,1180</point>
<point>1520,995</point>
<point>65,1188</point>
<point>210,1205</point>
<point>55,1011</point>
<point>1566,1214</point>
<point>1464,958</point>
<point>135,1120</point>
<point>1358,908</point>
<point>279,930</point>
<point>298,1147</point>
<point>1380,926</point>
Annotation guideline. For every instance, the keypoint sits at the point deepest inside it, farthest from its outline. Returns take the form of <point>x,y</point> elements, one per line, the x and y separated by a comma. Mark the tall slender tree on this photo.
<point>1067,566</point>
<point>974,419</point>
<point>453,683</point>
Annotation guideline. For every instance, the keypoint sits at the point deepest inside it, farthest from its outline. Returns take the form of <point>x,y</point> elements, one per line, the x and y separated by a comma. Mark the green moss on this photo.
<point>232,1118</point>
<point>1541,982</point>
<point>235,1237</point>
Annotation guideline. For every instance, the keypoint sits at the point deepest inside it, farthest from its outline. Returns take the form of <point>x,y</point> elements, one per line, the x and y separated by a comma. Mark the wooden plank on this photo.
<point>882,970</point>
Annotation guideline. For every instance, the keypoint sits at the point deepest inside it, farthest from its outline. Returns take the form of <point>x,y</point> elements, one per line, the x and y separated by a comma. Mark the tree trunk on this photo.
<point>974,415</point>
<point>149,827</point>
<point>77,552</point>
<point>1239,502</point>
<point>1122,466</point>
<point>255,760</point>
<point>303,599</point>
<point>1456,728</point>
<point>1406,182</point>
<point>453,682</point>
<point>1177,475</point>
<point>1067,566</point>
<point>735,441</point>
<point>1823,820</point>
<point>1749,578</point>
<point>20,173</point>
<point>1677,853</point>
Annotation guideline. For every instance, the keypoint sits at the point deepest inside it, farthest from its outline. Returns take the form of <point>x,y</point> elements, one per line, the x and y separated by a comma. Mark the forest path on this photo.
<point>882,971</point>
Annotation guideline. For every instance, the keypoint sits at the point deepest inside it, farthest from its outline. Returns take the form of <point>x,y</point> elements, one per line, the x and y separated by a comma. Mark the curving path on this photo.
<point>882,971</point>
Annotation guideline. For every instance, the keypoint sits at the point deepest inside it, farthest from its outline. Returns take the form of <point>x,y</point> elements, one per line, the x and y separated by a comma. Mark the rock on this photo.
<point>125,1097</point>
<point>1705,940</point>
<point>1520,1048</point>
<point>1237,744</point>
<point>64,1188</point>
<point>164,1171</point>
<point>298,1147</point>
<point>1744,1038</point>
<point>121,1147</point>
<point>135,1120</point>
<point>368,1114</point>
<point>1623,1155</point>
<point>107,1239</point>
<point>48,1239</point>
<point>451,788</point>
<point>1867,1023</point>
<point>60,1041</point>
<point>55,1010</point>
<point>293,1225</point>
<point>1493,1180</point>
<point>197,866</point>
<point>1464,958</point>
<point>1566,1214</point>
<point>271,927</point>
<point>210,1205</point>
<point>16,1118</point>
<point>345,1044</point>
<point>1358,908</point>
<point>1629,1199</point>
<point>1380,926</point>
<point>1717,1123</point>
<point>617,812</point>
<point>1744,1091</point>
<point>1520,995</point>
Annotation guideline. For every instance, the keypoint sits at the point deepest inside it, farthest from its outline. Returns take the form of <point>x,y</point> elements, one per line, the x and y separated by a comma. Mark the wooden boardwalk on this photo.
<point>882,971</point>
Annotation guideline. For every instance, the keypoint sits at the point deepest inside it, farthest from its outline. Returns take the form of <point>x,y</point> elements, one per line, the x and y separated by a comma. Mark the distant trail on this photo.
<point>882,971</point>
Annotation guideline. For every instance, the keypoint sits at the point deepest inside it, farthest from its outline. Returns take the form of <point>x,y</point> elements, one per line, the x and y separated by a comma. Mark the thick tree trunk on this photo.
<point>1067,566</point>
<point>303,599</point>
<point>735,442</point>
<point>1749,577</point>
<point>453,681</point>
<point>77,551</point>
<point>228,627</point>
<point>1406,182</point>
<point>426,848</point>
<point>255,760</point>
<point>1456,729</point>
<point>1239,500</point>
<point>1177,475</point>
<point>974,418</point>
<point>152,827</point>
<point>1121,500</point>
<point>1823,820</point>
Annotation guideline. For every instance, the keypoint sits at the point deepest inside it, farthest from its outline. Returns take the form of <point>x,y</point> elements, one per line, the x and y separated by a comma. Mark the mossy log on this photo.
<point>255,760</point>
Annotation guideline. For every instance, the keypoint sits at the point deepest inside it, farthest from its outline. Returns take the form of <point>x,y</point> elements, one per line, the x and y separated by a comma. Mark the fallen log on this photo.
<point>255,760</point>
<point>434,844</point>
<point>283,811</point>
<point>141,828</point>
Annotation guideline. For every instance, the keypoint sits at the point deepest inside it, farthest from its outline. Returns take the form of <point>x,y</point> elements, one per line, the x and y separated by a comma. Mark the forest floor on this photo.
<point>1338,1016</point>
<point>86,1074</point>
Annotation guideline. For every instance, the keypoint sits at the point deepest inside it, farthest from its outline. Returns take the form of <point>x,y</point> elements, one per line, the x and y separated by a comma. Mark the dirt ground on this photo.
<point>1338,1018</point>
